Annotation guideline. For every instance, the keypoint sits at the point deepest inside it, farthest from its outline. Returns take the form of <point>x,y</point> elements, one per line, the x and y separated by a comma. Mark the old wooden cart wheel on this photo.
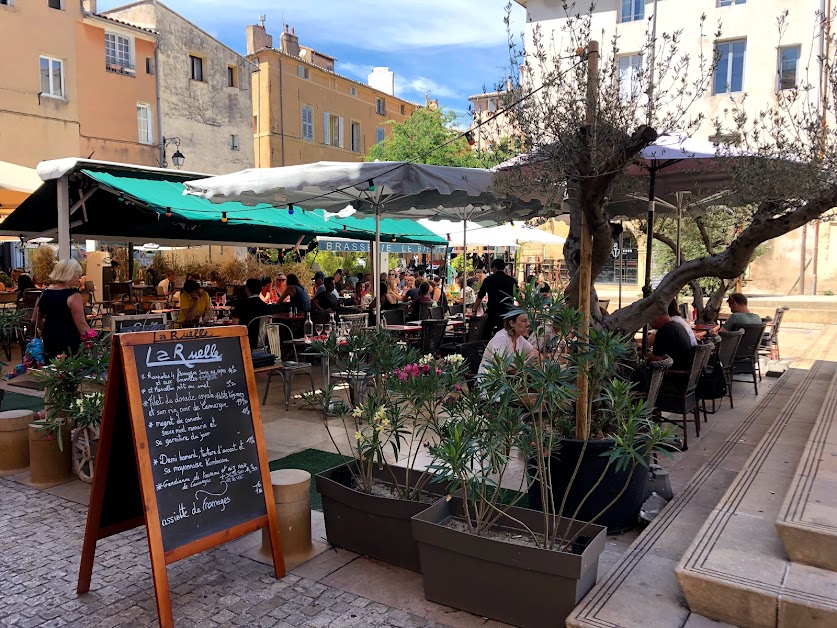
<point>85,442</point>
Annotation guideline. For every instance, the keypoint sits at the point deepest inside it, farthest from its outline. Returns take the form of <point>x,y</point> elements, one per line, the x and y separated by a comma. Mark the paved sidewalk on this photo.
<point>40,547</point>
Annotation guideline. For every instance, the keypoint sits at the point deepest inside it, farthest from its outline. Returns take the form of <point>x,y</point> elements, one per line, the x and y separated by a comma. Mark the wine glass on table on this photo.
<point>327,328</point>
<point>319,329</point>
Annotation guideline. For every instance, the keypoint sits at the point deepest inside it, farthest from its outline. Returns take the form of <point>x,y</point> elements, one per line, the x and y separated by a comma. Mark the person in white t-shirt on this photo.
<point>674,313</point>
<point>508,341</point>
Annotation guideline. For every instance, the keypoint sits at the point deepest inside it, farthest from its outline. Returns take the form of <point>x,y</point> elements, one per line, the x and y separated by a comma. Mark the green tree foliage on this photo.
<point>429,136</point>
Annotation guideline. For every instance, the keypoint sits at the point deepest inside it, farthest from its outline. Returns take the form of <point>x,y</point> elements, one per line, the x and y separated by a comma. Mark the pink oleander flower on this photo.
<point>438,371</point>
<point>457,388</point>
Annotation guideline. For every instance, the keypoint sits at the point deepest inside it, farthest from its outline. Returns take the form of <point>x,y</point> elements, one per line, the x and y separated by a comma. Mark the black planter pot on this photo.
<point>515,584</point>
<point>622,515</point>
<point>378,527</point>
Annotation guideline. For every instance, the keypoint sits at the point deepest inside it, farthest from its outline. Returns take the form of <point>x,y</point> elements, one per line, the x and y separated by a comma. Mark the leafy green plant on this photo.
<point>529,406</point>
<point>64,378</point>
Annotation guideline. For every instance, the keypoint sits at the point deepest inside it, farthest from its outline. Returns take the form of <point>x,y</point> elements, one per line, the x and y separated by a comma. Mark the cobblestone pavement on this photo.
<point>40,547</point>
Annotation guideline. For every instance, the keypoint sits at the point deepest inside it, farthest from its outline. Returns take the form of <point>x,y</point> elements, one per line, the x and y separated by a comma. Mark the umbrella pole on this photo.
<point>376,265</point>
<point>621,260</point>
<point>649,247</point>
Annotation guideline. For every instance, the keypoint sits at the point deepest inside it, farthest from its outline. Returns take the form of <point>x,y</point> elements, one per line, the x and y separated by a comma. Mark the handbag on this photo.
<point>712,383</point>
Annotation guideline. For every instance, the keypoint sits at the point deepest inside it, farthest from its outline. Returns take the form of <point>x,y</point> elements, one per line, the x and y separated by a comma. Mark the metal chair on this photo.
<point>432,334</point>
<point>393,317</point>
<point>770,339</point>
<point>436,313</point>
<point>286,369</point>
<point>472,352</point>
<point>456,308</point>
<point>122,296</point>
<point>678,391</point>
<point>746,360</point>
<point>260,323</point>
<point>476,325</point>
<point>356,321</point>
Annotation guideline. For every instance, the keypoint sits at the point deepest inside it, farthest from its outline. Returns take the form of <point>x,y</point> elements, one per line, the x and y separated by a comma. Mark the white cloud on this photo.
<point>409,87</point>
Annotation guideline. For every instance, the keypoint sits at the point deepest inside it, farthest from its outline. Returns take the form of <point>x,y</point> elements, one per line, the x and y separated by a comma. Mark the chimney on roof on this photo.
<point>257,37</point>
<point>383,80</point>
<point>88,5</point>
<point>289,42</point>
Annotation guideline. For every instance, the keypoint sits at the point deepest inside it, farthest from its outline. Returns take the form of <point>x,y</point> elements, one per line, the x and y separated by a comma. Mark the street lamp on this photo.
<point>178,158</point>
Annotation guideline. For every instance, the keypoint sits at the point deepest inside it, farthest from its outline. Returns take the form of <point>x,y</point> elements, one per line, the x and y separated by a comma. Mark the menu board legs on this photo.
<point>181,451</point>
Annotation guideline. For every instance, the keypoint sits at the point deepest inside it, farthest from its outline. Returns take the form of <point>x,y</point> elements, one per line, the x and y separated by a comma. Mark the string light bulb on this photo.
<point>371,187</point>
<point>290,209</point>
<point>469,137</point>
<point>448,237</point>
<point>223,216</point>
<point>168,212</point>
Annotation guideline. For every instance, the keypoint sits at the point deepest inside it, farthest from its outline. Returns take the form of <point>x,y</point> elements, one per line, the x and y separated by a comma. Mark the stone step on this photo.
<point>736,569</point>
<point>639,589</point>
<point>807,522</point>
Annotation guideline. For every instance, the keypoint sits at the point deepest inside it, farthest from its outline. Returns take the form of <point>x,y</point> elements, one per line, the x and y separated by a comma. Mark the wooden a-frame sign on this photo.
<point>181,451</point>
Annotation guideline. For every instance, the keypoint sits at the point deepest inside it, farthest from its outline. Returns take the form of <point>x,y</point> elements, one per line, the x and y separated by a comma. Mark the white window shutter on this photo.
<point>340,127</point>
<point>326,129</point>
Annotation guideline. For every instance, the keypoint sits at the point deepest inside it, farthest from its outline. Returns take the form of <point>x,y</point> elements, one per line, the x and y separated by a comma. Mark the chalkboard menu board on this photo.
<point>200,437</point>
<point>138,322</point>
<point>181,450</point>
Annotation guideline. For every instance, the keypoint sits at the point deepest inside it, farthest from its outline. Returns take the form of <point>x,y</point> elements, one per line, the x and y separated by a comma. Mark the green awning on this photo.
<point>133,205</point>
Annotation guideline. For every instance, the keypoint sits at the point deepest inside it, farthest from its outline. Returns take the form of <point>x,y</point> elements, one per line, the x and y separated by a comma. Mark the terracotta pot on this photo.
<point>378,527</point>
<point>516,584</point>
<point>47,463</point>
<point>14,440</point>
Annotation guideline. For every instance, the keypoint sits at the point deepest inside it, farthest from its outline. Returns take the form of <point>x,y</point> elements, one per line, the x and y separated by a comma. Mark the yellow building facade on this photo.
<point>74,88</point>
<point>304,112</point>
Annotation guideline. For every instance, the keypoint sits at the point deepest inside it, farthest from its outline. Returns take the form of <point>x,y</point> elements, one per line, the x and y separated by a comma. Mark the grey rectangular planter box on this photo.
<point>516,584</point>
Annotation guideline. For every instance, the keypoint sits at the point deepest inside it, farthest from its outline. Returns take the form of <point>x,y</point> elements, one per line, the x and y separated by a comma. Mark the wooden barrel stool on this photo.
<point>14,440</point>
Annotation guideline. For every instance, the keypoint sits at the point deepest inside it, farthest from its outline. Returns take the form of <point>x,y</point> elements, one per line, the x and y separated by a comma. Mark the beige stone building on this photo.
<point>753,61</point>
<point>204,91</point>
<point>304,111</point>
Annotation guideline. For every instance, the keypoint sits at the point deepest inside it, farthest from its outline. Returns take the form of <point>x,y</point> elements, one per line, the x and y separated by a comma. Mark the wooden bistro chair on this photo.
<point>770,340</point>
<point>746,360</point>
<point>286,369</point>
<point>658,372</point>
<point>678,394</point>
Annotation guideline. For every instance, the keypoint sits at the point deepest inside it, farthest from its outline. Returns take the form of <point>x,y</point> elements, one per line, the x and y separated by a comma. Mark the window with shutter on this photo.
<point>144,124</point>
<point>356,137</point>
<point>379,134</point>
<point>307,123</point>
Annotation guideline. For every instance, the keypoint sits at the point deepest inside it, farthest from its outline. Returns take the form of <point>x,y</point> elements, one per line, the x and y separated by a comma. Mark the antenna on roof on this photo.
<point>262,19</point>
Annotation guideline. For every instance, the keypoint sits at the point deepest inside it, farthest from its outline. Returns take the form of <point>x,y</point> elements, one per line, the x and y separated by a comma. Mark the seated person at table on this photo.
<point>741,314</point>
<point>423,297</point>
<point>280,282</point>
<point>410,290</point>
<point>390,300</point>
<point>249,308</point>
<point>265,293</point>
<point>546,291</point>
<point>508,341</point>
<point>671,340</point>
<point>194,303</point>
<point>325,299</point>
<point>295,295</point>
<point>358,294</point>
<point>674,313</point>
<point>166,285</point>
<point>319,282</point>
<point>338,280</point>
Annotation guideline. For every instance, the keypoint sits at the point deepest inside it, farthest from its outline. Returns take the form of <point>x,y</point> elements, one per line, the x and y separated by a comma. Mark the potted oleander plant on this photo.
<point>67,378</point>
<point>481,551</point>
<point>369,501</point>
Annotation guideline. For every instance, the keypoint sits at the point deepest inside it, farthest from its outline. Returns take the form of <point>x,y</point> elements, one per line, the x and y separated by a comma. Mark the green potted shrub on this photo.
<point>66,379</point>
<point>480,551</point>
<point>369,501</point>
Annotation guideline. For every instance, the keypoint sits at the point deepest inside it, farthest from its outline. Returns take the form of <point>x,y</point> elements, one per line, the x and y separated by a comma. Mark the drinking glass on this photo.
<point>319,329</point>
<point>327,329</point>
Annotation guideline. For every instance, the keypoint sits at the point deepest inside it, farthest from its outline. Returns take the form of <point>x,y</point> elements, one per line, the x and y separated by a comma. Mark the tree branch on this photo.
<point>704,235</point>
<point>728,264</point>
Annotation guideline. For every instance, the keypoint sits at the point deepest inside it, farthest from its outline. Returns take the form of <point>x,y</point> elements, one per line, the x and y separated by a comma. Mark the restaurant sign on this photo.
<point>342,245</point>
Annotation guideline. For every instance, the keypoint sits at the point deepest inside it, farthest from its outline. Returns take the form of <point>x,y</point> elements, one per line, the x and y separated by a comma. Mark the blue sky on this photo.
<point>454,48</point>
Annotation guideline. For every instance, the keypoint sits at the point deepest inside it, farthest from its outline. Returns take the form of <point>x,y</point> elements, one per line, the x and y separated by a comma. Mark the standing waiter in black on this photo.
<point>500,288</point>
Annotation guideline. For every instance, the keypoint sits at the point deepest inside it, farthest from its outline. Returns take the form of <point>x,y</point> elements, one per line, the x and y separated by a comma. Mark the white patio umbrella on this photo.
<point>386,189</point>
